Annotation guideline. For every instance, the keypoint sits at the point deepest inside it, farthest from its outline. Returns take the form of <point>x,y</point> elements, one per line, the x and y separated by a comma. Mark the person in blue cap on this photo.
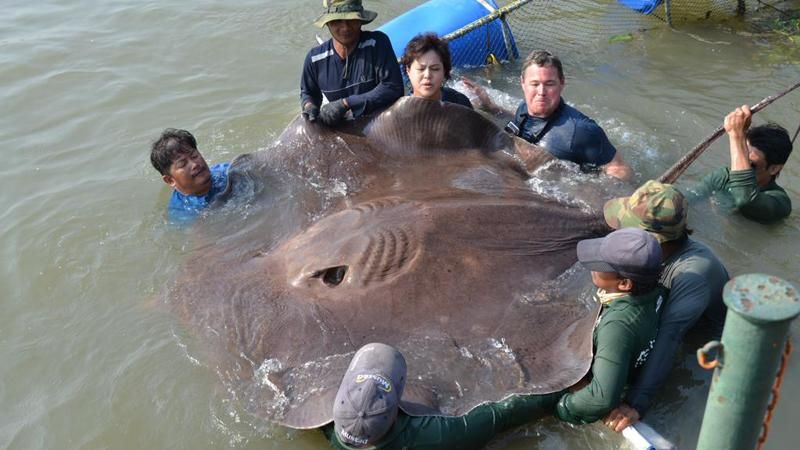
<point>355,70</point>
<point>625,266</point>
<point>367,411</point>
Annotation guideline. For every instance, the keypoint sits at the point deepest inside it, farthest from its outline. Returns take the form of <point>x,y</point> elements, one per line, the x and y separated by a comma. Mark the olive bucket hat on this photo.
<point>656,207</point>
<point>344,10</point>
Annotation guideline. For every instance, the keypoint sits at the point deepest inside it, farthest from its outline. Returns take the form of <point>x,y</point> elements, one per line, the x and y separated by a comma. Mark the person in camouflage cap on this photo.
<point>691,272</point>
<point>655,207</point>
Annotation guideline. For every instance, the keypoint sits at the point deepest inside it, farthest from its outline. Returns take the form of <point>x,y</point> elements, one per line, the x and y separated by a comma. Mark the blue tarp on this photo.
<point>446,16</point>
<point>642,6</point>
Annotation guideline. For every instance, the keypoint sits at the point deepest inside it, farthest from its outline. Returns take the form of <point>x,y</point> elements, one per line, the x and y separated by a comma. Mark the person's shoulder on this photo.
<point>581,120</point>
<point>721,172</point>
<point>375,34</point>
<point>615,322</point>
<point>693,260</point>
<point>375,39</point>
<point>774,186</point>
<point>182,209</point>
<point>453,96</point>
<point>221,167</point>
<point>176,200</point>
<point>631,306</point>
<point>319,51</point>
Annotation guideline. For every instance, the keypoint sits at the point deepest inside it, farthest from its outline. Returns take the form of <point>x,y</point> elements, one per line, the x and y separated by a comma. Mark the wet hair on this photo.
<point>173,142</point>
<point>543,58</point>
<point>773,140</point>
<point>423,43</point>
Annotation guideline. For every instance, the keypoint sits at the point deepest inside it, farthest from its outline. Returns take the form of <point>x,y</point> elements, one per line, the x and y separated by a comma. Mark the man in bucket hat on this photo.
<point>691,272</point>
<point>625,266</point>
<point>367,410</point>
<point>355,70</point>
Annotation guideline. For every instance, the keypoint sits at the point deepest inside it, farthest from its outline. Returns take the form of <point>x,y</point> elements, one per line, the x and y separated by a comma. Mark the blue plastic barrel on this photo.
<point>445,16</point>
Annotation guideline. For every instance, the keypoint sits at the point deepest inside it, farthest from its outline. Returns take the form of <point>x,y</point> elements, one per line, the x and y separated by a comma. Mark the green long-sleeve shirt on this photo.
<point>766,204</point>
<point>471,431</point>
<point>622,339</point>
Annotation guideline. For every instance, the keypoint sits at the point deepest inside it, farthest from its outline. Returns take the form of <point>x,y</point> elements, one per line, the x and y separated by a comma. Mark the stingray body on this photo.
<point>418,229</point>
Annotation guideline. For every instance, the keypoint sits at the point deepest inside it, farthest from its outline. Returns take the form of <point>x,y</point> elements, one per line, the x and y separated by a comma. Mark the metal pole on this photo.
<point>760,310</point>
<point>668,12</point>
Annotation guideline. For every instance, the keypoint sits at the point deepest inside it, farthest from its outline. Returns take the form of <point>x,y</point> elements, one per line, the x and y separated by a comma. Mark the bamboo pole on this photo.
<point>679,167</point>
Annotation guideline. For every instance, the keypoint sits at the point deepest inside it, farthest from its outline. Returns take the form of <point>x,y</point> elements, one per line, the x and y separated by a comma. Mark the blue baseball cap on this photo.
<point>631,252</point>
<point>368,399</point>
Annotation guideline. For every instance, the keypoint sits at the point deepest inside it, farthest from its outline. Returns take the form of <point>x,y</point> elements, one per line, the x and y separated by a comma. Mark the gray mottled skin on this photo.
<point>417,229</point>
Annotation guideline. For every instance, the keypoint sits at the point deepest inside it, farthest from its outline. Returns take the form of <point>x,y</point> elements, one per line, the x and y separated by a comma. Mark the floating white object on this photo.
<point>642,437</point>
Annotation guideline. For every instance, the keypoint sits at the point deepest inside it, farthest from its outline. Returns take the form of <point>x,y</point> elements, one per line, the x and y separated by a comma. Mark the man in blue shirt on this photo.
<point>545,119</point>
<point>355,71</point>
<point>181,166</point>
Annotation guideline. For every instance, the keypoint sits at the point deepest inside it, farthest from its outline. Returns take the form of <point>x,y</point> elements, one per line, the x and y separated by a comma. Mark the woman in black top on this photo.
<point>427,64</point>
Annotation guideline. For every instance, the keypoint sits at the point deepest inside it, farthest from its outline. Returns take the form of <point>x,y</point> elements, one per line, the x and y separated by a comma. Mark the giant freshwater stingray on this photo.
<point>418,228</point>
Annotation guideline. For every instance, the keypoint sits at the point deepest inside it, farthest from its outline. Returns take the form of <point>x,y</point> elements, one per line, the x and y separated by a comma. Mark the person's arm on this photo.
<point>736,124</point>
<point>479,426</point>
<point>310,92</point>
<point>485,103</point>
<point>390,82</point>
<point>597,150</point>
<point>609,375</point>
<point>755,204</point>
<point>714,181</point>
<point>618,168</point>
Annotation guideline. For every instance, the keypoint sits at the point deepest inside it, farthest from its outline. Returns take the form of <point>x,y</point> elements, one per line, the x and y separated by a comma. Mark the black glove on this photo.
<point>310,112</point>
<point>333,113</point>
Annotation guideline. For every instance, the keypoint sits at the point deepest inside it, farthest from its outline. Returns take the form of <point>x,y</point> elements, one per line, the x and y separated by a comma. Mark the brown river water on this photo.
<point>89,363</point>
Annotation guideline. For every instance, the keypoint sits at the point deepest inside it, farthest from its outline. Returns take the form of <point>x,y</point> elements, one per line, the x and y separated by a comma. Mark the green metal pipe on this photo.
<point>760,310</point>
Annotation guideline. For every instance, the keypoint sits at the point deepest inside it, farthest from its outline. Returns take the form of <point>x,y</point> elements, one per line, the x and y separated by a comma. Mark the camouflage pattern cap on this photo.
<point>655,207</point>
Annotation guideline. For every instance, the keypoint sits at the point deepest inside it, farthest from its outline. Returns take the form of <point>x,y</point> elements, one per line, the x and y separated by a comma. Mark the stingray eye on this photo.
<point>331,276</point>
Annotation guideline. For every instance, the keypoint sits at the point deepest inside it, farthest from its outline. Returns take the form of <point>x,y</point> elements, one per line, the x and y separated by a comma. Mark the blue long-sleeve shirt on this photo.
<point>184,208</point>
<point>369,78</point>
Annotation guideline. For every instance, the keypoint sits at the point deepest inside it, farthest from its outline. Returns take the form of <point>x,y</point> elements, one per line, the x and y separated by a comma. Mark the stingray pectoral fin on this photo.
<point>532,156</point>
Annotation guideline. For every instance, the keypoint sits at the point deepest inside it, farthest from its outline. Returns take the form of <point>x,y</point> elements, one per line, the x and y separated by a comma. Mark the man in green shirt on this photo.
<point>367,414</point>
<point>757,157</point>
<point>692,274</point>
<point>625,267</point>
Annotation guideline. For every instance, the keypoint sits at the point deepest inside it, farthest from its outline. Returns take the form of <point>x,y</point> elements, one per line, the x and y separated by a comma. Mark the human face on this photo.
<point>345,32</point>
<point>542,89</point>
<point>764,173</point>
<point>427,75</point>
<point>189,174</point>
<point>610,282</point>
